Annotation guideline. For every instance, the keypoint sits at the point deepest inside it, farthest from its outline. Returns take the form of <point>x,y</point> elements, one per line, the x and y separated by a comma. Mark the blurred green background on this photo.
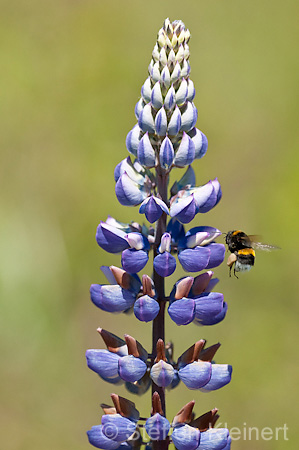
<point>71,73</point>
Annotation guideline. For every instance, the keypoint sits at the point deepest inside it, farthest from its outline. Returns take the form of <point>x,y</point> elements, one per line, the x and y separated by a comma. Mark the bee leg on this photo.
<point>235,274</point>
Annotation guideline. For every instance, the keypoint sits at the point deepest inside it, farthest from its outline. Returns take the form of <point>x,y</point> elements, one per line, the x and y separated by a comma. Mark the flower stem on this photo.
<point>159,321</point>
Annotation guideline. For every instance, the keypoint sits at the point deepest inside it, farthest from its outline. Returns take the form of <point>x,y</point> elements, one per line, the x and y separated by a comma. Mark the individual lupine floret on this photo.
<point>197,371</point>
<point>198,251</point>
<point>132,182</point>
<point>162,373</point>
<point>146,307</point>
<point>153,208</point>
<point>132,367</point>
<point>135,258</point>
<point>192,301</point>
<point>117,297</point>
<point>164,262</point>
<point>157,426</point>
<point>198,434</point>
<point>125,360</point>
<point>190,201</point>
<point>119,423</point>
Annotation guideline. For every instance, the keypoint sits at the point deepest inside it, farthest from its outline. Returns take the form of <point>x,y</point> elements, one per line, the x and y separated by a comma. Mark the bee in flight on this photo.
<point>242,247</point>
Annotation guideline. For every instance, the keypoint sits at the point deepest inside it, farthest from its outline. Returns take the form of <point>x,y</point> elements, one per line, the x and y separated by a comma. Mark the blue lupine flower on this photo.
<point>182,311</point>
<point>221,375</point>
<point>166,154</point>
<point>188,202</point>
<point>133,260</point>
<point>128,192</point>
<point>111,238</point>
<point>200,142</point>
<point>117,427</point>
<point>145,152</point>
<point>209,308</point>
<point>104,363</point>
<point>191,300</point>
<point>165,263</point>
<point>116,297</point>
<point>196,370</point>
<point>196,375</point>
<point>197,251</point>
<point>146,308</point>
<point>153,207</point>
<point>131,368</point>
<point>185,437</point>
<point>185,153</point>
<point>157,427</point>
<point>214,439</point>
<point>112,298</point>
<point>98,439</point>
<point>162,373</point>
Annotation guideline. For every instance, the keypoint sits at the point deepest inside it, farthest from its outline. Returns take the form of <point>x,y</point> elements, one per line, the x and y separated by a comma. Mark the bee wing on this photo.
<point>258,245</point>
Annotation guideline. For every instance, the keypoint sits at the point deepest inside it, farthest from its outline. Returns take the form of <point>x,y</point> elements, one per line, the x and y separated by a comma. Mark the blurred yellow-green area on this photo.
<point>71,73</point>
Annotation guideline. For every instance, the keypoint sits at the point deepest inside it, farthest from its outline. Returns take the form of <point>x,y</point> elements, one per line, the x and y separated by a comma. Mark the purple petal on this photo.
<point>157,427</point>
<point>139,107</point>
<point>195,375</point>
<point>162,373</point>
<point>191,90</point>
<point>189,117</point>
<point>184,209</point>
<point>153,208</point>
<point>185,437</point>
<point>164,264</point>
<point>146,308</point>
<point>146,90</point>
<point>206,197</point>
<point>185,153</point>
<point>128,192</point>
<point>212,233</point>
<point>131,368</point>
<point>110,238</point>
<point>181,93</point>
<point>133,139</point>
<point>217,254</point>
<point>208,307</point>
<point>200,142</point>
<point>145,152</point>
<point>175,121</point>
<point>214,439</point>
<point>156,96</point>
<point>146,120</point>
<point>221,375</point>
<point>218,190</point>
<point>169,101</point>
<point>103,362</point>
<point>161,122</point>
<point>133,260</point>
<point>166,153</point>
<point>97,438</point>
<point>194,259</point>
<point>117,427</point>
<point>182,311</point>
<point>111,298</point>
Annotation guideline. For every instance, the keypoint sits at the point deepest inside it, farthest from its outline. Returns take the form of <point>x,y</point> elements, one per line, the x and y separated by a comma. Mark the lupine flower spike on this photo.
<point>163,138</point>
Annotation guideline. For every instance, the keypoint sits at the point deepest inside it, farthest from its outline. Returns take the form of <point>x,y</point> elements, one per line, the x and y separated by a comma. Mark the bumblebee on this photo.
<point>242,251</point>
